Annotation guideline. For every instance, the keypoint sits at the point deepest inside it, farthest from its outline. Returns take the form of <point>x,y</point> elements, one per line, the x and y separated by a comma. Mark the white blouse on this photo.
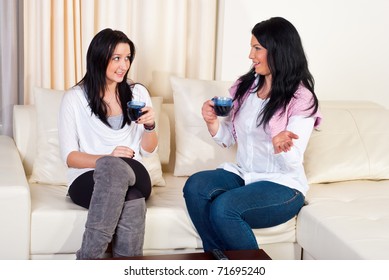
<point>80,130</point>
<point>255,159</point>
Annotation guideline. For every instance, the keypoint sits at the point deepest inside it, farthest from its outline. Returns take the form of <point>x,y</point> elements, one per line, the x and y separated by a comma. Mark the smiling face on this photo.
<point>118,64</point>
<point>258,54</point>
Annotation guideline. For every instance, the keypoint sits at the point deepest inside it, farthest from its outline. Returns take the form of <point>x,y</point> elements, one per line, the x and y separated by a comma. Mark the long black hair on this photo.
<point>288,67</point>
<point>94,82</point>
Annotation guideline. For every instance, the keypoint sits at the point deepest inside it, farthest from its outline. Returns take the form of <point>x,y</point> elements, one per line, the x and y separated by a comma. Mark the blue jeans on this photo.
<point>224,210</point>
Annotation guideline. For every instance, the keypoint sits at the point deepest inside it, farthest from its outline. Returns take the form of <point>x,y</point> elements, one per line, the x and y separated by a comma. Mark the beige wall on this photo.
<point>346,42</point>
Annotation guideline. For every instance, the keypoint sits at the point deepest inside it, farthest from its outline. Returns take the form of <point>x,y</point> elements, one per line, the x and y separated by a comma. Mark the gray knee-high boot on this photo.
<point>129,236</point>
<point>112,177</point>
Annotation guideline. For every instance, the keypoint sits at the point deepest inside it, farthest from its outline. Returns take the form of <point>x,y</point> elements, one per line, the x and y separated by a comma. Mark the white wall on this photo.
<point>346,42</point>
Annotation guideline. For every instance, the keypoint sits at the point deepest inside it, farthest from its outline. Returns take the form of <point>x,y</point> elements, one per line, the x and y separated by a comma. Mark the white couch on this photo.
<point>40,222</point>
<point>347,164</point>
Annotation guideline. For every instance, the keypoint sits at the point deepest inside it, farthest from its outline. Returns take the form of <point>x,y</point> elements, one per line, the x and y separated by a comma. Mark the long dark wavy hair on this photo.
<point>288,67</point>
<point>94,82</point>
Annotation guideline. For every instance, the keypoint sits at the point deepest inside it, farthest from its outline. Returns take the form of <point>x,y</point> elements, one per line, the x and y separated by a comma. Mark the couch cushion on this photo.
<point>167,215</point>
<point>14,203</point>
<point>195,148</point>
<point>168,225</point>
<point>57,224</point>
<point>153,162</point>
<point>48,167</point>
<point>346,220</point>
<point>350,144</point>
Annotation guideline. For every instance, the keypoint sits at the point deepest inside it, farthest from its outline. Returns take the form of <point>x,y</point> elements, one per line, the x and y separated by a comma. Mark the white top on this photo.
<point>80,130</point>
<point>255,158</point>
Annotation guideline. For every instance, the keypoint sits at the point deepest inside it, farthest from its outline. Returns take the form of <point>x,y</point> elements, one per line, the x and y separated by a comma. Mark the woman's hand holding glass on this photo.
<point>148,116</point>
<point>208,112</point>
<point>210,117</point>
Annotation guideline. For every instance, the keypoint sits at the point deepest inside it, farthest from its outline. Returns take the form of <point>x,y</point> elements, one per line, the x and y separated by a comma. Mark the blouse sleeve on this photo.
<point>224,136</point>
<point>67,129</point>
<point>303,127</point>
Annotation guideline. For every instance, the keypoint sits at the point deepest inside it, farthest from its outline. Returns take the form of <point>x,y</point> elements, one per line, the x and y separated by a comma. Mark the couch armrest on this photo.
<point>15,203</point>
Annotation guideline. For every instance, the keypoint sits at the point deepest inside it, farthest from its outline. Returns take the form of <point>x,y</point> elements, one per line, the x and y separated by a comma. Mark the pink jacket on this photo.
<point>297,106</point>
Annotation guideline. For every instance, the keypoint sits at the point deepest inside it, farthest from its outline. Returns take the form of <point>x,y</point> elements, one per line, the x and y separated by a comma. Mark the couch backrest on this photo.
<point>329,156</point>
<point>350,144</point>
<point>25,135</point>
<point>167,138</point>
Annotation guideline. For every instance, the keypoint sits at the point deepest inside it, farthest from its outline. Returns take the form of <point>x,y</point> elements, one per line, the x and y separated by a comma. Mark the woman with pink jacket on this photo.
<point>274,112</point>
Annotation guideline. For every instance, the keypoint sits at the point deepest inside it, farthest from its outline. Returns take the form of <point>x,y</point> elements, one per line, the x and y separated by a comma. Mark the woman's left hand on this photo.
<point>148,117</point>
<point>283,141</point>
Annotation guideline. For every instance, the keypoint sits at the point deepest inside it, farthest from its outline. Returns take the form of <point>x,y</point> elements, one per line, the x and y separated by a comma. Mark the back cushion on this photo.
<point>351,144</point>
<point>195,148</point>
<point>24,134</point>
<point>48,167</point>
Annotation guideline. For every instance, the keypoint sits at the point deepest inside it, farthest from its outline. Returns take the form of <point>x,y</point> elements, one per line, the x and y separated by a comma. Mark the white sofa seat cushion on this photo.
<point>57,224</point>
<point>282,233</point>
<point>168,225</point>
<point>346,220</point>
<point>167,219</point>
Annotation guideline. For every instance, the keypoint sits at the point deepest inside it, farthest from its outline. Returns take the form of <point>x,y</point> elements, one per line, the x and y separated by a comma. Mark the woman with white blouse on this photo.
<point>103,148</point>
<point>274,112</point>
